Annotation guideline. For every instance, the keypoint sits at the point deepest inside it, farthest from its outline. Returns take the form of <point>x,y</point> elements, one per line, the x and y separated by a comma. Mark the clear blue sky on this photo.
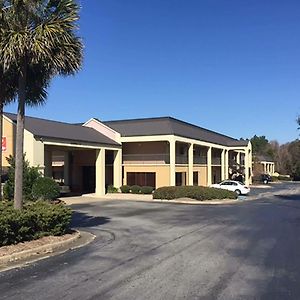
<point>230,66</point>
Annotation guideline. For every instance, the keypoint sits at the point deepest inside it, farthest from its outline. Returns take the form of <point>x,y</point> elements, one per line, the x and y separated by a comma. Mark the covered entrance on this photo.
<point>82,170</point>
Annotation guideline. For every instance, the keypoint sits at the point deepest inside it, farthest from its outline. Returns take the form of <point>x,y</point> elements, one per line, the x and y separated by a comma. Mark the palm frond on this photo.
<point>43,35</point>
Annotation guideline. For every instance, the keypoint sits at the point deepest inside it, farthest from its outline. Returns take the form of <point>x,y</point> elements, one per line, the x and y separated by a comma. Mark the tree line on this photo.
<point>286,156</point>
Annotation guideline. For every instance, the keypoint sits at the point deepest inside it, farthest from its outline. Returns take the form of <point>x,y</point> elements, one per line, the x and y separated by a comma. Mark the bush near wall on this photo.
<point>136,189</point>
<point>284,178</point>
<point>30,175</point>
<point>194,192</point>
<point>35,220</point>
<point>112,189</point>
<point>125,189</point>
<point>45,188</point>
<point>146,190</point>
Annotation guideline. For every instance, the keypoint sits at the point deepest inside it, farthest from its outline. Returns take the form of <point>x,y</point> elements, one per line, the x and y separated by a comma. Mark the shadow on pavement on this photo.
<point>289,197</point>
<point>80,219</point>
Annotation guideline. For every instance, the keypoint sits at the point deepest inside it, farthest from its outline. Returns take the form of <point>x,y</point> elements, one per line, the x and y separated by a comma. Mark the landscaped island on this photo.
<point>200,193</point>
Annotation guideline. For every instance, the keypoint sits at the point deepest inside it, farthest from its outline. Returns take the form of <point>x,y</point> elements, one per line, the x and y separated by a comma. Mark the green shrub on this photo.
<point>194,192</point>
<point>30,174</point>
<point>125,189</point>
<point>112,189</point>
<point>45,188</point>
<point>147,189</point>
<point>135,189</point>
<point>275,178</point>
<point>35,220</point>
<point>284,178</point>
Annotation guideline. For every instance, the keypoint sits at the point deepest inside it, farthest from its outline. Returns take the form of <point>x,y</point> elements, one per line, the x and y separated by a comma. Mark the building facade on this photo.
<point>156,152</point>
<point>264,165</point>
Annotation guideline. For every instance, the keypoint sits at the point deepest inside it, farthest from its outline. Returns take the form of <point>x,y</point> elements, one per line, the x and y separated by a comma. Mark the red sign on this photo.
<point>4,143</point>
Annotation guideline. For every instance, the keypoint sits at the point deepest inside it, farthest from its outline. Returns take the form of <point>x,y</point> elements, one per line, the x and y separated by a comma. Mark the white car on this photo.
<point>234,186</point>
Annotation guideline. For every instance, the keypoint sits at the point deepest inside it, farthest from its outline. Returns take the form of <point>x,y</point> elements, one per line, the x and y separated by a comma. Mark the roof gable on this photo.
<point>103,129</point>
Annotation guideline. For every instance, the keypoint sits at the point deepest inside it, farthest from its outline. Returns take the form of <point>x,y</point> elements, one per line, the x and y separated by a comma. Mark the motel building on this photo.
<point>265,165</point>
<point>86,158</point>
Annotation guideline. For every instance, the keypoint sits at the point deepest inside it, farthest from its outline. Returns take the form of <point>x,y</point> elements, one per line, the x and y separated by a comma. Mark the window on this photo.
<point>180,178</point>
<point>141,178</point>
<point>181,150</point>
<point>226,183</point>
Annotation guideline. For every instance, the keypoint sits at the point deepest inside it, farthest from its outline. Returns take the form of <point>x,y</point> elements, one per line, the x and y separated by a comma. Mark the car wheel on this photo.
<point>265,181</point>
<point>238,192</point>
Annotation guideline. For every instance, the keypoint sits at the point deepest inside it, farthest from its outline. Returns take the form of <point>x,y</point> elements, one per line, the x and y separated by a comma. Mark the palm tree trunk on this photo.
<point>1,134</point>
<point>18,193</point>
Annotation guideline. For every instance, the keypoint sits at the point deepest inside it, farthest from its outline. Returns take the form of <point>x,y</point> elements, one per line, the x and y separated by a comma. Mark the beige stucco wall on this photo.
<point>162,173</point>
<point>181,169</point>
<point>202,175</point>
<point>8,132</point>
<point>34,150</point>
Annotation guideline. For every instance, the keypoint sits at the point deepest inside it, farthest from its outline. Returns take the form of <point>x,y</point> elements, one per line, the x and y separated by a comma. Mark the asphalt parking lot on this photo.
<point>248,250</point>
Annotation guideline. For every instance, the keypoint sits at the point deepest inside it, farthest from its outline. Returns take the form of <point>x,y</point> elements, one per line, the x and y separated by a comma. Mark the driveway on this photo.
<point>155,251</point>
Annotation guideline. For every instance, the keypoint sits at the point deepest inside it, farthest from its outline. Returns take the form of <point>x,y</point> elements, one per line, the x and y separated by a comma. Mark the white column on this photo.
<point>48,163</point>
<point>172,161</point>
<point>266,168</point>
<point>209,167</point>
<point>191,164</point>
<point>247,181</point>
<point>66,168</point>
<point>238,158</point>
<point>250,166</point>
<point>226,163</point>
<point>223,165</point>
<point>100,172</point>
<point>118,168</point>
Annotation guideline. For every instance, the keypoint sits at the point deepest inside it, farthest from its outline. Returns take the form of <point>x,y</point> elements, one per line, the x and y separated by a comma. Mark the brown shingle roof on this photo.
<point>171,126</point>
<point>43,128</point>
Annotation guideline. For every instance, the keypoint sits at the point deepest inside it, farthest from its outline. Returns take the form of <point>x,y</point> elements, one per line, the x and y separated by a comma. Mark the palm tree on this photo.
<point>37,35</point>
<point>8,88</point>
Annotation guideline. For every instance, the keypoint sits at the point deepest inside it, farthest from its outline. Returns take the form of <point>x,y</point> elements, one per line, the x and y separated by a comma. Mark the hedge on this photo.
<point>125,189</point>
<point>284,178</point>
<point>35,220</point>
<point>147,190</point>
<point>135,189</point>
<point>194,192</point>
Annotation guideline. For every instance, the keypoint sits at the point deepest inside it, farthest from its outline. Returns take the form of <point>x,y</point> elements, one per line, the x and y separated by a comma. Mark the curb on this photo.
<point>192,202</point>
<point>205,202</point>
<point>44,249</point>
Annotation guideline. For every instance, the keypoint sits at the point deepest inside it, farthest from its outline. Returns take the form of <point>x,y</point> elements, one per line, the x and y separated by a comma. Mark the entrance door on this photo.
<point>88,179</point>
